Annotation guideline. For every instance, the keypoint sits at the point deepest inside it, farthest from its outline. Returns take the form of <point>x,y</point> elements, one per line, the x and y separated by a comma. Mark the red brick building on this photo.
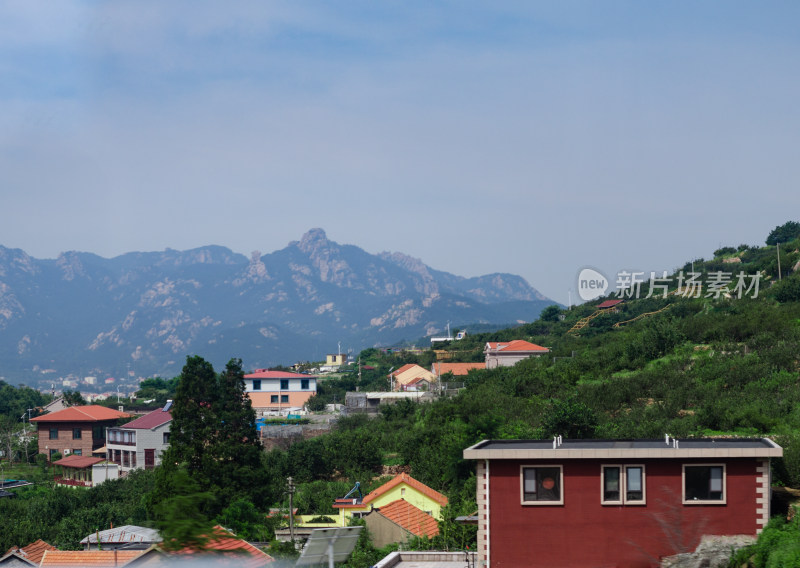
<point>625,503</point>
<point>77,430</point>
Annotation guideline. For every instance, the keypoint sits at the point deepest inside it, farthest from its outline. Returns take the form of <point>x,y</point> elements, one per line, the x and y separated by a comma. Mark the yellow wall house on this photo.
<point>408,373</point>
<point>404,487</point>
<point>334,359</point>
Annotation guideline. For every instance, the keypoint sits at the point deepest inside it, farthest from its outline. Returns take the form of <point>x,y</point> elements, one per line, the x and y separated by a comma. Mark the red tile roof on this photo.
<point>267,374</point>
<point>33,552</point>
<point>411,518</point>
<point>403,369</point>
<point>608,304</point>
<point>90,413</point>
<point>517,345</point>
<point>82,558</point>
<point>150,420</point>
<point>458,369</point>
<point>78,462</point>
<point>225,543</point>
<point>411,482</point>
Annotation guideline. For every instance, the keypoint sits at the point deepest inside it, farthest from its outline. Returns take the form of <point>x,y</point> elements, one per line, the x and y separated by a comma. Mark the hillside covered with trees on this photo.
<point>689,365</point>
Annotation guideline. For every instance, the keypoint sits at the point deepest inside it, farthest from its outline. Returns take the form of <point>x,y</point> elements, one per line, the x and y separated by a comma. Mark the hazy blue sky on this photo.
<point>525,137</point>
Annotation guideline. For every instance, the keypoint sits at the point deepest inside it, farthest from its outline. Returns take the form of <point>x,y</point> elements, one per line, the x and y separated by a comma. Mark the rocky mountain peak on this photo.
<point>313,242</point>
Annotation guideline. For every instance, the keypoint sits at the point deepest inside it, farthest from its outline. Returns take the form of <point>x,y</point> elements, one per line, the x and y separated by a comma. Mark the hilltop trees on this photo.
<point>784,233</point>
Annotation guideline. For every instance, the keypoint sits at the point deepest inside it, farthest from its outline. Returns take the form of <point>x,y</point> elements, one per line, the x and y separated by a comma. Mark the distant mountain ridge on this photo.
<point>146,311</point>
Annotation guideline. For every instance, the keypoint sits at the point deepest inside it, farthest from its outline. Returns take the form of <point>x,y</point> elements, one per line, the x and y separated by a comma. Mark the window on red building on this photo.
<point>541,485</point>
<point>703,483</point>
<point>623,484</point>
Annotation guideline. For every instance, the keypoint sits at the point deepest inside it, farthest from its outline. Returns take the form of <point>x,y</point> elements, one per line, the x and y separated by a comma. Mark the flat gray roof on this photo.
<point>588,449</point>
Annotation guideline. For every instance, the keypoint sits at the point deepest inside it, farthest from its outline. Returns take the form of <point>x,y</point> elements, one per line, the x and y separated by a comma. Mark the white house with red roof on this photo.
<point>83,471</point>
<point>271,391</point>
<point>509,353</point>
<point>140,443</point>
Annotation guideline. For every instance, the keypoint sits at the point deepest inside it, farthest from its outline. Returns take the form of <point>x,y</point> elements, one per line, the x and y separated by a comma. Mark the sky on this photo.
<point>534,138</point>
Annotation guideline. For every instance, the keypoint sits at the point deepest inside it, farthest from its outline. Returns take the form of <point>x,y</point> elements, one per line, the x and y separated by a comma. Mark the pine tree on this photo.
<point>194,423</point>
<point>236,447</point>
<point>213,437</point>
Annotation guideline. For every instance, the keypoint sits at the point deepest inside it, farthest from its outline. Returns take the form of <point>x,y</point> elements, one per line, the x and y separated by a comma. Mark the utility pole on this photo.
<point>778,248</point>
<point>291,508</point>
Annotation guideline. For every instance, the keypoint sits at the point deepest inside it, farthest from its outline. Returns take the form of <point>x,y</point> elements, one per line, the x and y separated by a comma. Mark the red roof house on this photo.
<point>400,487</point>
<point>398,521</point>
<point>89,558</point>
<point>76,430</point>
<point>31,554</point>
<point>278,390</point>
<point>224,548</point>
<point>404,376</point>
<point>140,443</point>
<point>84,471</point>
<point>458,369</point>
<point>509,353</point>
<point>624,503</point>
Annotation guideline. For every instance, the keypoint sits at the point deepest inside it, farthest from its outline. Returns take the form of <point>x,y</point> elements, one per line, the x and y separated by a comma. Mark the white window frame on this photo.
<point>559,501</point>
<point>623,482</point>
<point>723,501</point>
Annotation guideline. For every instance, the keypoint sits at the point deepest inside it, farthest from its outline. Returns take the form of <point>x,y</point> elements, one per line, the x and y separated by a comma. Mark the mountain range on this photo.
<point>143,312</point>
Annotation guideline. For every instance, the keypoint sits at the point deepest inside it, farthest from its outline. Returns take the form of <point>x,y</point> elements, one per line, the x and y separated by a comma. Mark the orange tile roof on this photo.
<point>515,345</point>
<point>90,413</point>
<point>458,369</point>
<point>81,558</point>
<point>403,369</point>
<point>33,552</point>
<point>411,518</point>
<point>411,482</point>
<point>78,462</point>
<point>226,544</point>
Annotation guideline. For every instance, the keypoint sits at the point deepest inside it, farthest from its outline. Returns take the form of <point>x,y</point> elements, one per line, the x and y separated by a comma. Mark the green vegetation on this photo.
<point>708,365</point>
<point>778,546</point>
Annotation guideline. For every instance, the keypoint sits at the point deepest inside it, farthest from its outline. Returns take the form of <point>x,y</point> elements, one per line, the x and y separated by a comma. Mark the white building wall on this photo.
<point>274,385</point>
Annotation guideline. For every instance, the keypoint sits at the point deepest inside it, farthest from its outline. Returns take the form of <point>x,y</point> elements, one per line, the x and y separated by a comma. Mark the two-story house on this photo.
<point>140,443</point>
<point>278,390</point>
<point>77,430</point>
<point>626,503</point>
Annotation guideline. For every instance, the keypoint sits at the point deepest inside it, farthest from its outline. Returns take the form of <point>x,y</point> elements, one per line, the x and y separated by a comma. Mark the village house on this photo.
<point>272,391</point>
<point>128,537</point>
<point>140,443</point>
<point>395,511</point>
<point>408,374</point>
<point>83,471</point>
<point>509,353</point>
<point>371,402</point>
<point>23,557</point>
<point>77,430</point>
<point>456,369</point>
<point>630,502</point>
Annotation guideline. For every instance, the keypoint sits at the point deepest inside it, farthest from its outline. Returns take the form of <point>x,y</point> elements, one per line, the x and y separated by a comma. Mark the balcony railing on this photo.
<point>61,480</point>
